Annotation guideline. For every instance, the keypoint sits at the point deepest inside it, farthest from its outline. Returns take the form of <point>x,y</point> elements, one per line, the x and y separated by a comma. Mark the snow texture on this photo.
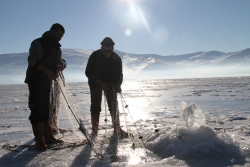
<point>183,122</point>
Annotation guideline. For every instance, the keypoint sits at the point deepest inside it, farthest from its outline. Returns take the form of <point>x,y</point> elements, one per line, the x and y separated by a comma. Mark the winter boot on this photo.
<point>95,123</point>
<point>48,134</point>
<point>38,133</point>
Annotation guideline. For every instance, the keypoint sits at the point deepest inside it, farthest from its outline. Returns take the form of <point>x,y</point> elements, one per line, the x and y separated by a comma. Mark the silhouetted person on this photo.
<point>45,63</point>
<point>104,72</point>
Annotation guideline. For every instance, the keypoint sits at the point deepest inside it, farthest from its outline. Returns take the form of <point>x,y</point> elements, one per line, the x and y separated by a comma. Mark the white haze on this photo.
<point>140,66</point>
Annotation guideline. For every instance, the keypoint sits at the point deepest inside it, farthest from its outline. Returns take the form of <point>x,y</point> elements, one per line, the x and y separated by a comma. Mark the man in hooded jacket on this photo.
<point>44,65</point>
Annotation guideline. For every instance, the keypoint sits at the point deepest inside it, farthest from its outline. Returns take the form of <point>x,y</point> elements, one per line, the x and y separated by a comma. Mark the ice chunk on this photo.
<point>192,115</point>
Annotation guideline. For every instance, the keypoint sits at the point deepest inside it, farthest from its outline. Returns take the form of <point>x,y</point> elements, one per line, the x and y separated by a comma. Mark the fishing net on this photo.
<point>62,120</point>
<point>69,110</point>
<point>54,105</point>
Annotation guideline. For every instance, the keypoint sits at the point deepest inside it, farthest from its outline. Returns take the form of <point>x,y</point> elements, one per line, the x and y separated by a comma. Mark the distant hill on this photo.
<point>140,66</point>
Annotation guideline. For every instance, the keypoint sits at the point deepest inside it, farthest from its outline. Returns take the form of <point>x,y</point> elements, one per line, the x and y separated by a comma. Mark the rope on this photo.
<point>114,114</point>
<point>73,110</point>
<point>69,106</point>
<point>126,106</point>
<point>106,119</point>
<point>126,123</point>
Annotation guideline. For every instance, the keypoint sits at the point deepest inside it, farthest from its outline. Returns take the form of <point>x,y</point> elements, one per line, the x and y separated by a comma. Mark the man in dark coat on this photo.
<point>104,72</point>
<point>44,65</point>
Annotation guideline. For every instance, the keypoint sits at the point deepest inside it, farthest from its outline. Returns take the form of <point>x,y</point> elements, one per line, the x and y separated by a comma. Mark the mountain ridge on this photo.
<point>140,66</point>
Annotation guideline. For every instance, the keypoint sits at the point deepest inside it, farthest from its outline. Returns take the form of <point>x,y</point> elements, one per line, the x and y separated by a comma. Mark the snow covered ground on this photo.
<point>183,122</point>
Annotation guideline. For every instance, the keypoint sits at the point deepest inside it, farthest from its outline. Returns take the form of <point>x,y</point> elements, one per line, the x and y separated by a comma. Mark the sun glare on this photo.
<point>137,157</point>
<point>131,16</point>
<point>137,100</point>
<point>128,32</point>
<point>137,15</point>
<point>134,160</point>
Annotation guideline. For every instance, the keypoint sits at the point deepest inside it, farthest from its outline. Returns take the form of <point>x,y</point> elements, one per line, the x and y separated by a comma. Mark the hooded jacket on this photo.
<point>45,50</point>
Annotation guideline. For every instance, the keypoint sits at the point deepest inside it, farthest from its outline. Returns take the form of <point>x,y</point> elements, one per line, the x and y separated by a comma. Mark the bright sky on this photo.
<point>165,27</point>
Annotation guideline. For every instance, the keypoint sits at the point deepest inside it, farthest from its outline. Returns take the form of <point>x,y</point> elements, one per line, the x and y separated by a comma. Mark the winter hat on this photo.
<point>107,42</point>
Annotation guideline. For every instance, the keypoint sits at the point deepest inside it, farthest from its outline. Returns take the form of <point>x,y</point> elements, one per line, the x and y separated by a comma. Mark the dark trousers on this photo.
<point>39,99</point>
<point>96,100</point>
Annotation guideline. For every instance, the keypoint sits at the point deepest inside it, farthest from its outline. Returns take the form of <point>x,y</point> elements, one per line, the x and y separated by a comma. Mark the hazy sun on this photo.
<point>130,15</point>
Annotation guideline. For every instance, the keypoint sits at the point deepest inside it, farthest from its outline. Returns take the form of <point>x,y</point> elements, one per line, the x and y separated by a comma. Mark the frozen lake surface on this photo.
<point>183,122</point>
